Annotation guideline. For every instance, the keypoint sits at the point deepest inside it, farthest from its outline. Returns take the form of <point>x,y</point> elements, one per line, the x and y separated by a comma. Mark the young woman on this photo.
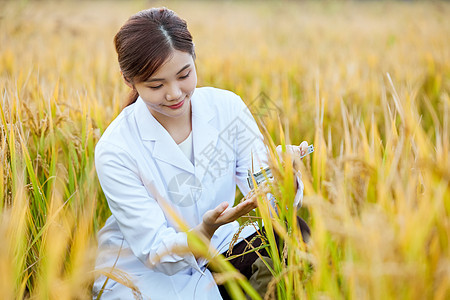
<point>176,143</point>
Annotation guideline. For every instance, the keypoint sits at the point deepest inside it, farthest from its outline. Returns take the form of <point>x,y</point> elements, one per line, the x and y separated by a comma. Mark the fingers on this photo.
<point>299,150</point>
<point>290,151</point>
<point>246,206</point>
<point>222,214</point>
<point>220,209</point>
<point>303,147</point>
<point>211,216</point>
<point>294,151</point>
<point>232,214</point>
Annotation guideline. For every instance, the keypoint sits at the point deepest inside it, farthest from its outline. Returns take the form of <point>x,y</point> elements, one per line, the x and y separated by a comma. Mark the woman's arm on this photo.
<point>138,214</point>
<point>257,155</point>
<point>295,152</point>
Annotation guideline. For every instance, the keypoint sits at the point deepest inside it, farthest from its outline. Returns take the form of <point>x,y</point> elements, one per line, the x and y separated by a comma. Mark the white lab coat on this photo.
<point>139,164</point>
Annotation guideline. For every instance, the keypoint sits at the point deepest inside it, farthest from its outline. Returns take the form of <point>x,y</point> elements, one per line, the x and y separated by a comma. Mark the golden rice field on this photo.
<point>367,83</point>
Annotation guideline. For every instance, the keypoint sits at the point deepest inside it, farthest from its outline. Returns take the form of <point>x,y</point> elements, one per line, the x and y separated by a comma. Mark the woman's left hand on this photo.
<point>294,151</point>
<point>223,214</point>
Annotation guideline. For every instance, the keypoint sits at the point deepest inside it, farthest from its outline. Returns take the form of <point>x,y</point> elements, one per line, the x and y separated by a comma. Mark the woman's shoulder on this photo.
<point>219,98</point>
<point>214,92</point>
<point>118,131</point>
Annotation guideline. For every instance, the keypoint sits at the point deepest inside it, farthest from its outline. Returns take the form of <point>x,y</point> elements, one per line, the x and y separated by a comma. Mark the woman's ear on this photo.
<point>127,82</point>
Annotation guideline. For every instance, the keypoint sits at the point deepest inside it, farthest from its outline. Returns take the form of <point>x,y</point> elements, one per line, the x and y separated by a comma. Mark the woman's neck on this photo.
<point>178,128</point>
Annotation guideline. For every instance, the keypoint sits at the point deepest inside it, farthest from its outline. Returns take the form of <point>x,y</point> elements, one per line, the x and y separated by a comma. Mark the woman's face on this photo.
<point>168,91</point>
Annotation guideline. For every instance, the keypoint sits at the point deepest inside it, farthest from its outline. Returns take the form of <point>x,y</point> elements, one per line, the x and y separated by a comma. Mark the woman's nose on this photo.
<point>174,93</point>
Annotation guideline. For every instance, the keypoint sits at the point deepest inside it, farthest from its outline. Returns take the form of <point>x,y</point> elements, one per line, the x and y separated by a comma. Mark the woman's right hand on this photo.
<point>221,215</point>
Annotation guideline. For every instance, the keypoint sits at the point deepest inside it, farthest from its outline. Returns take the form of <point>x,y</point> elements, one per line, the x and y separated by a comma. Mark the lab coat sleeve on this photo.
<point>140,218</point>
<point>298,200</point>
<point>256,150</point>
<point>250,147</point>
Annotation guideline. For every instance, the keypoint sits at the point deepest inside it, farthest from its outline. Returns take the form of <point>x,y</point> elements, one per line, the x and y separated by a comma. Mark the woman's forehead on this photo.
<point>173,65</point>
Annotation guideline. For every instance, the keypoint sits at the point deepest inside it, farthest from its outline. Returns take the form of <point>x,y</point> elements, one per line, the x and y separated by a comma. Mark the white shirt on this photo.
<point>188,147</point>
<point>139,166</point>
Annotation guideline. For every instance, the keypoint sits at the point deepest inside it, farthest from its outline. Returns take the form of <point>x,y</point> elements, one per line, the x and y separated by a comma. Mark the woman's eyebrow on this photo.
<point>184,68</point>
<point>162,79</point>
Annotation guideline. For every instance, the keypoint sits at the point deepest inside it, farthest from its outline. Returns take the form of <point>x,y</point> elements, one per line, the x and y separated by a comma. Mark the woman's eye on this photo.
<point>185,76</point>
<point>155,87</point>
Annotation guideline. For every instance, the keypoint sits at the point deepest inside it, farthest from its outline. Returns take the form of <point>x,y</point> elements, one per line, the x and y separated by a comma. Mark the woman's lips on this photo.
<point>178,105</point>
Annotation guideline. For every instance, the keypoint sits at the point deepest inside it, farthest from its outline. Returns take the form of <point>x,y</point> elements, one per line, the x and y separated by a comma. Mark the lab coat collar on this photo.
<point>205,136</point>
